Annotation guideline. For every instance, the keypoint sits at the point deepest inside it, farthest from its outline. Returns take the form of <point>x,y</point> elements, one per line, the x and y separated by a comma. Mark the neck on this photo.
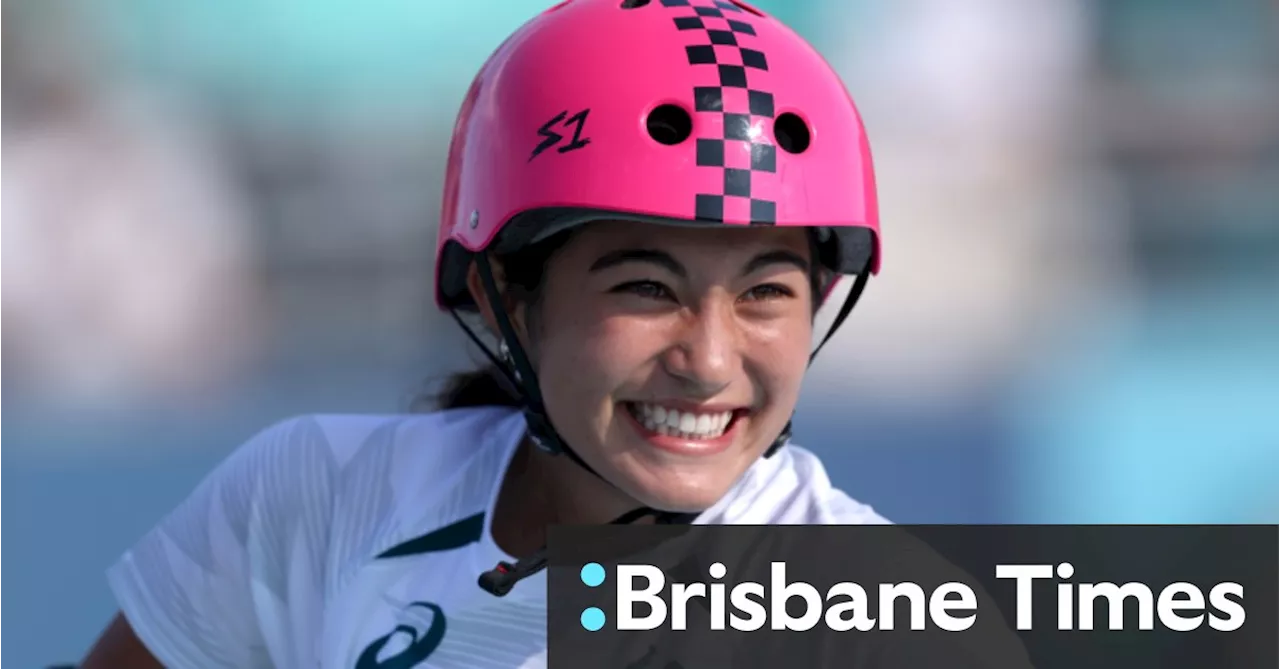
<point>540,490</point>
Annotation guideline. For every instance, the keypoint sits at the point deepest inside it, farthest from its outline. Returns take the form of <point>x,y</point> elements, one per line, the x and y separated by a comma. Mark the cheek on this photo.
<point>780,355</point>
<point>583,360</point>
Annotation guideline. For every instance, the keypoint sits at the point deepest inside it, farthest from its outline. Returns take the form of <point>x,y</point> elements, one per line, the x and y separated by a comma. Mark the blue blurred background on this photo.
<point>219,214</point>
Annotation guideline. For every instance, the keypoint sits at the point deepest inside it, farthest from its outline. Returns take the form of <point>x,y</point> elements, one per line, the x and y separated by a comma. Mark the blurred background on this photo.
<point>220,214</point>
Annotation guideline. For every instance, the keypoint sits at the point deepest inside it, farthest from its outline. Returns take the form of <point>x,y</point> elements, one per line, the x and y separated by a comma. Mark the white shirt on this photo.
<point>356,541</point>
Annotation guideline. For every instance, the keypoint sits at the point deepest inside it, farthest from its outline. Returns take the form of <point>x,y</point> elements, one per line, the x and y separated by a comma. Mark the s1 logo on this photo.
<point>551,137</point>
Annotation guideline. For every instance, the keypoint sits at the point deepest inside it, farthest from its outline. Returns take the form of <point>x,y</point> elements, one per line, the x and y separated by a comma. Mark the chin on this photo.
<point>678,503</point>
<point>670,493</point>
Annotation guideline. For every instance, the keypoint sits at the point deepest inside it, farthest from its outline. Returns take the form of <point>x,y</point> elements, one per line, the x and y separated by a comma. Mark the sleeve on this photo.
<point>200,587</point>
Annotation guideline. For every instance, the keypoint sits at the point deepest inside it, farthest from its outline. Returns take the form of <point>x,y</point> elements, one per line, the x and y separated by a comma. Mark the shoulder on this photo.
<point>370,475</point>
<point>293,513</point>
<point>791,488</point>
<point>344,440</point>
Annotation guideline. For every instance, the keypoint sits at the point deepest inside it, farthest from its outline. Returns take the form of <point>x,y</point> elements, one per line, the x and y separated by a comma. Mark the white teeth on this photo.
<point>676,423</point>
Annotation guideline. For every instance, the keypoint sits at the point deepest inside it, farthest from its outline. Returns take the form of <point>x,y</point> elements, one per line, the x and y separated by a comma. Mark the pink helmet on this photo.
<point>693,112</point>
<point>681,112</point>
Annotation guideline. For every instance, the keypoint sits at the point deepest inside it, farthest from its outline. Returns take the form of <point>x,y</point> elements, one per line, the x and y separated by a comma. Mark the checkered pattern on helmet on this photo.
<point>727,48</point>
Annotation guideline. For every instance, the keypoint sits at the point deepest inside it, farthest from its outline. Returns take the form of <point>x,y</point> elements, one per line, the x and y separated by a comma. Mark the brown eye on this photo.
<point>646,289</point>
<point>768,291</point>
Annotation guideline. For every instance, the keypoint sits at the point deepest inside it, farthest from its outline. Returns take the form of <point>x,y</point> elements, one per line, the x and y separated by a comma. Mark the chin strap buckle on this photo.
<point>501,579</point>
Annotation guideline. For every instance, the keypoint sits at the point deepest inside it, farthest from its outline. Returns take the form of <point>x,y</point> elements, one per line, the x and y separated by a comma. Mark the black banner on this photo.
<point>662,597</point>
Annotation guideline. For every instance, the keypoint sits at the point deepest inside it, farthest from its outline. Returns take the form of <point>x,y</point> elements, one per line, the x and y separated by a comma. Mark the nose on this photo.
<point>705,355</point>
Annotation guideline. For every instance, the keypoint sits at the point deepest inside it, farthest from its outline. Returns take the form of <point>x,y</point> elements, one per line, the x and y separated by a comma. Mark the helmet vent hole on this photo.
<point>791,133</point>
<point>748,8</point>
<point>669,124</point>
<point>634,4</point>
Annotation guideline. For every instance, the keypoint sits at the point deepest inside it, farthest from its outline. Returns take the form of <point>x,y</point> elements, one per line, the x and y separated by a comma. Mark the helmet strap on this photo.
<point>519,371</point>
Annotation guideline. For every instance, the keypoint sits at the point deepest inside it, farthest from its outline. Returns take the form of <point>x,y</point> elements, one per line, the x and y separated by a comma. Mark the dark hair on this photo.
<point>524,271</point>
<point>481,388</point>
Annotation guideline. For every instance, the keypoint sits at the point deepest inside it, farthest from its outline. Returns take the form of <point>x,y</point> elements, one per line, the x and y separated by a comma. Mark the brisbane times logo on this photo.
<point>646,601</point>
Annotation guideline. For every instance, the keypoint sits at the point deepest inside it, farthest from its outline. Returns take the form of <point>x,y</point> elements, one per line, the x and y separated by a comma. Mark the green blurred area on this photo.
<point>281,56</point>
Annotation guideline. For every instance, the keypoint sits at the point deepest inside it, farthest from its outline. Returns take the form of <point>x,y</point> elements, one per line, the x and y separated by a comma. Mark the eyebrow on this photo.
<point>668,262</point>
<point>659,258</point>
<point>776,257</point>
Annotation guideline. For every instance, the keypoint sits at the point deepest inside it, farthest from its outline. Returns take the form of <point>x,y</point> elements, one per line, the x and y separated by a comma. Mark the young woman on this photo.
<point>646,203</point>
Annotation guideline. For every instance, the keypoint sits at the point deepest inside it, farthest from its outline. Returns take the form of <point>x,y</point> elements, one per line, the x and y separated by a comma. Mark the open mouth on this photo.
<point>683,424</point>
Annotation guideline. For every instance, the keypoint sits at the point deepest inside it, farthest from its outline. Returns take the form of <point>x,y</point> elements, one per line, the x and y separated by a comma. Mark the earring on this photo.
<point>504,354</point>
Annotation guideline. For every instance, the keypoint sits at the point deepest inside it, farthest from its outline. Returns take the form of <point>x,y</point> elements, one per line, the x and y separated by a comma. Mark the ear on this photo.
<point>515,312</point>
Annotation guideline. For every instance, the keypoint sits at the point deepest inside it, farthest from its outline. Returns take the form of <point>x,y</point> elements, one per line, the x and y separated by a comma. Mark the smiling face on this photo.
<point>671,358</point>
